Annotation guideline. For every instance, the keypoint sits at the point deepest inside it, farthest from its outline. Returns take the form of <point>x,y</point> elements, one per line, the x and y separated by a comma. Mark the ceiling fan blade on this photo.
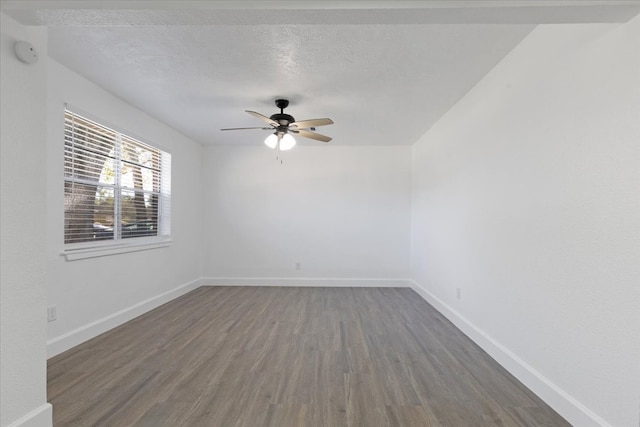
<point>303,124</point>
<point>312,135</point>
<point>263,118</point>
<point>263,128</point>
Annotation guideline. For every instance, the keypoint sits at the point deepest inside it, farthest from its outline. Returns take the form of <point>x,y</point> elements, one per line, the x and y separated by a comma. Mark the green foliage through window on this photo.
<point>115,187</point>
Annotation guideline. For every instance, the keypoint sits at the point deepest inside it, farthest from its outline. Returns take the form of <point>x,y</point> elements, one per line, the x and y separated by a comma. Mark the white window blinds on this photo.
<point>115,187</point>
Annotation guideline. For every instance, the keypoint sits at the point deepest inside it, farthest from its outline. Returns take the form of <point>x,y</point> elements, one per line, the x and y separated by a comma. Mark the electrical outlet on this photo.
<point>458,293</point>
<point>52,313</point>
<point>297,265</point>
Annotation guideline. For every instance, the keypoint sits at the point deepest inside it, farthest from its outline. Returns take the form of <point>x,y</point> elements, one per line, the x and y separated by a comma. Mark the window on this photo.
<point>115,187</point>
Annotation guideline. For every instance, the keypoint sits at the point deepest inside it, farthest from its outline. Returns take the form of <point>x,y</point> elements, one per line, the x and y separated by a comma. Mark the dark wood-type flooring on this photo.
<point>289,357</point>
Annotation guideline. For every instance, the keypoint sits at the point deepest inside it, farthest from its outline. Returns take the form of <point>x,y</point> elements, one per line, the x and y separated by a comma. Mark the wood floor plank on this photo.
<point>285,356</point>
<point>411,416</point>
<point>365,402</point>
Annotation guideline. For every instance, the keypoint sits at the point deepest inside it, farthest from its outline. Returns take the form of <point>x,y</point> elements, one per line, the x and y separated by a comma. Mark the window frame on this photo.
<point>118,244</point>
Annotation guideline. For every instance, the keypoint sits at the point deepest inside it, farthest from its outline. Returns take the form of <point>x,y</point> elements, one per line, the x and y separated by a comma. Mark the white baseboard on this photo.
<point>305,282</point>
<point>42,416</point>
<point>563,403</point>
<point>70,339</point>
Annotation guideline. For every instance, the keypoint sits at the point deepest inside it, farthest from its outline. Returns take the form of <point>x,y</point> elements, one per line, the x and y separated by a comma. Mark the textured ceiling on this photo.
<point>385,72</point>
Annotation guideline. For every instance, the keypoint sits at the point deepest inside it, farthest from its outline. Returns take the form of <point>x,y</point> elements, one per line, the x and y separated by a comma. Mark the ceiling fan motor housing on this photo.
<point>282,118</point>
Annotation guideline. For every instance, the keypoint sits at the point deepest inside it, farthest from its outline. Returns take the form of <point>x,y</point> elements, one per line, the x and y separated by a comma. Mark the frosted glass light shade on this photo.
<point>287,142</point>
<point>271,141</point>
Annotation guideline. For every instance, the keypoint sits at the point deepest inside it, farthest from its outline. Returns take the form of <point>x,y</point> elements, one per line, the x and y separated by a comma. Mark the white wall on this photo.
<point>342,212</point>
<point>526,196</point>
<point>93,295</point>
<point>23,295</point>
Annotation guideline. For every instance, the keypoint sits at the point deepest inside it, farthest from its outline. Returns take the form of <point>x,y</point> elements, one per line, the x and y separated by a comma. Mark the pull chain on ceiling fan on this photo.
<point>284,125</point>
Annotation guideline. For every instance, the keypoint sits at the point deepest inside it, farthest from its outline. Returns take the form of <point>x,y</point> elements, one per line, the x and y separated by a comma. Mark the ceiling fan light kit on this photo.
<point>282,142</point>
<point>287,142</point>
<point>284,125</point>
<point>272,140</point>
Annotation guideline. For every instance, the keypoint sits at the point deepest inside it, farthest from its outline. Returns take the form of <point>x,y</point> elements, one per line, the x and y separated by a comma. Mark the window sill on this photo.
<point>107,250</point>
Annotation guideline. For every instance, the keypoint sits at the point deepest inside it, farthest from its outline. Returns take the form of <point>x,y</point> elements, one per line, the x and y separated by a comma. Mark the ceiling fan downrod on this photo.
<point>282,104</point>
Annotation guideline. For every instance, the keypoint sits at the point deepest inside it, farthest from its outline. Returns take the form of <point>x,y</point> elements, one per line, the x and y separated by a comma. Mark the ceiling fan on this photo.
<point>284,125</point>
